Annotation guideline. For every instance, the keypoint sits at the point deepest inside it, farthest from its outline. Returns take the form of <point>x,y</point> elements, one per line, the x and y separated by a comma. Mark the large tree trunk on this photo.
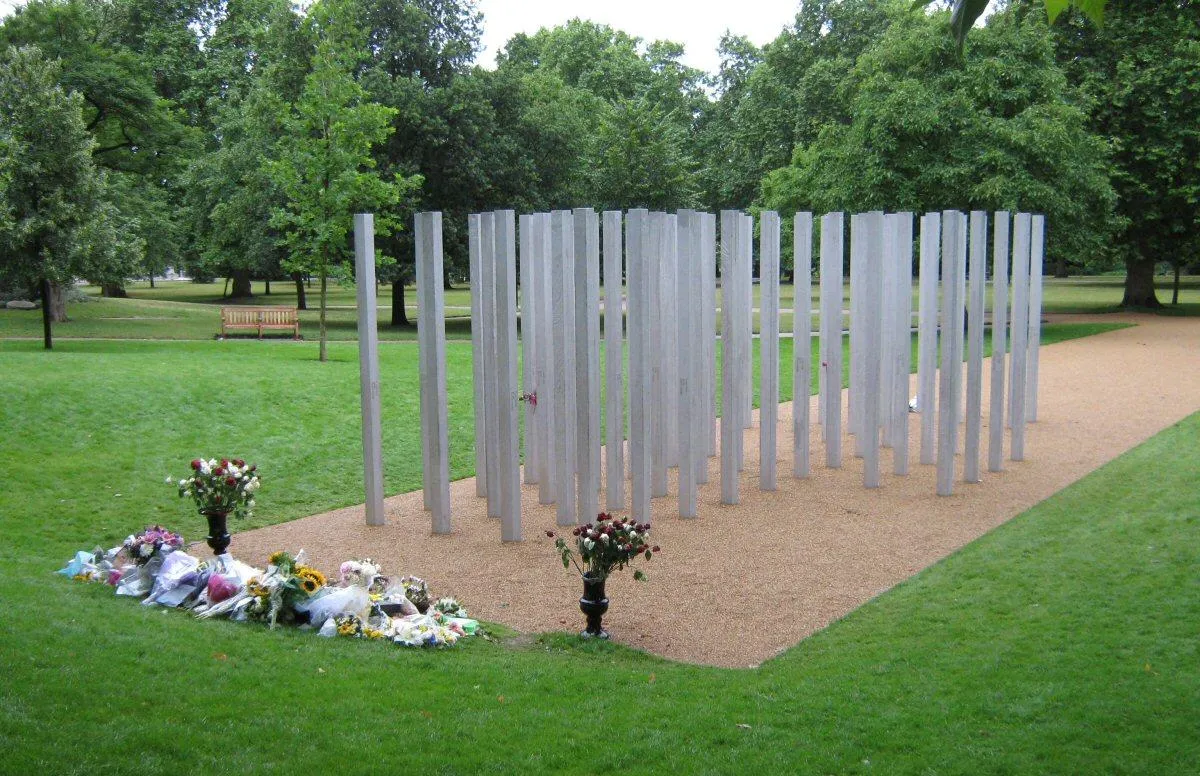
<point>113,290</point>
<point>47,316</point>
<point>1139,284</point>
<point>1175,291</point>
<point>152,280</point>
<point>301,300</point>
<point>399,314</point>
<point>267,287</point>
<point>58,303</point>
<point>1060,267</point>
<point>241,283</point>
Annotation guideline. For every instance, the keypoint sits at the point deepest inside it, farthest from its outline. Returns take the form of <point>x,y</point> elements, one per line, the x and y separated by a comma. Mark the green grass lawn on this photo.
<point>270,402</point>
<point>1062,642</point>
<point>184,310</point>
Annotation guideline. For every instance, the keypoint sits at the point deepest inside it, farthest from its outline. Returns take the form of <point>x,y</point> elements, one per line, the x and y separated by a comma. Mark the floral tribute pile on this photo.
<point>361,603</point>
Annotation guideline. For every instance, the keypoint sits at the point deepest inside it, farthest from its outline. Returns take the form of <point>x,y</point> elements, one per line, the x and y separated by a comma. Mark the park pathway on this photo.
<point>742,583</point>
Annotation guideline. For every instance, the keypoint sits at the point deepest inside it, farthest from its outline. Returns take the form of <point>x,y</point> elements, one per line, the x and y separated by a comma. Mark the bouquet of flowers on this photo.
<point>606,546</point>
<point>362,571</point>
<point>95,566</point>
<point>352,625</point>
<point>283,591</point>
<point>450,607</point>
<point>417,591</point>
<point>227,485</point>
<point>155,540</point>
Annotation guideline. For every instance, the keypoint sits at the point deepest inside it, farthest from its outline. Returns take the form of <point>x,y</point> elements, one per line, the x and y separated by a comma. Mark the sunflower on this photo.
<point>308,585</point>
<point>277,558</point>
<point>255,588</point>
<point>349,625</point>
<point>312,573</point>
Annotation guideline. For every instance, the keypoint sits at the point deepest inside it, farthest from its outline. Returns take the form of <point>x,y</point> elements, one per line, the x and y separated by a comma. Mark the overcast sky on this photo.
<point>698,26</point>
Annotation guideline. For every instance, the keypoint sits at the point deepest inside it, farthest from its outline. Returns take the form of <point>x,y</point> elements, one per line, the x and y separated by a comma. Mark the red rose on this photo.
<point>196,464</point>
<point>600,518</point>
<point>654,548</point>
<point>238,462</point>
<point>230,481</point>
<point>224,461</point>
<point>217,472</point>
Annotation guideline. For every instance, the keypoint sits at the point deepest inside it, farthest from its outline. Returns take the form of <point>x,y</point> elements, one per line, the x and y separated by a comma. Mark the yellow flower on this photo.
<point>255,588</point>
<point>308,572</point>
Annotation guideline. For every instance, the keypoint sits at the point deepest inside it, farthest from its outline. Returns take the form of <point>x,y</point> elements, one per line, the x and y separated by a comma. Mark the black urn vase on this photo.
<point>218,530</point>
<point>593,604</point>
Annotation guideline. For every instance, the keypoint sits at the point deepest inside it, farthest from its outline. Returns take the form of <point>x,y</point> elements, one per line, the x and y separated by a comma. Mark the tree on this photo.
<point>233,197</point>
<point>58,224</point>
<point>1140,75</point>
<point>929,129</point>
<point>324,166</point>
<point>772,100</point>
<point>128,60</point>
<point>622,92</point>
<point>641,160</point>
<point>417,62</point>
<point>964,13</point>
<point>257,54</point>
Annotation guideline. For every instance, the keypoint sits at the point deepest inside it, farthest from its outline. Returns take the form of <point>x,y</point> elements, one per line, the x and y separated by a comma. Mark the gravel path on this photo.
<point>742,583</point>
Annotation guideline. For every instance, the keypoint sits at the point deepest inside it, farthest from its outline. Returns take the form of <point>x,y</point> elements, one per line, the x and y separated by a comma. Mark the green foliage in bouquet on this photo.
<point>608,545</point>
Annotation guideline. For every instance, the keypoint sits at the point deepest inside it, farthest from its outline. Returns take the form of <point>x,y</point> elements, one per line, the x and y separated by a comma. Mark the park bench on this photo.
<point>260,319</point>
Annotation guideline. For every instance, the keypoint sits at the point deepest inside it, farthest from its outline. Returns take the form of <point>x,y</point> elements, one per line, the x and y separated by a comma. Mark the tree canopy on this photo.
<point>233,139</point>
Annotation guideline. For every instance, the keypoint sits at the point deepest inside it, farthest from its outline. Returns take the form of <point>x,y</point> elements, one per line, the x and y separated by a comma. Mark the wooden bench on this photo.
<point>260,319</point>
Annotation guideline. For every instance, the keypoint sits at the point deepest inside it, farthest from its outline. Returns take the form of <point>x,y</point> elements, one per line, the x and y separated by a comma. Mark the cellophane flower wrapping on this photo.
<point>175,567</point>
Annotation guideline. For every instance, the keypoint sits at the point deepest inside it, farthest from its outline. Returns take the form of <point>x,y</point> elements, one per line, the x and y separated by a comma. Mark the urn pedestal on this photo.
<point>593,604</point>
<point>218,530</point>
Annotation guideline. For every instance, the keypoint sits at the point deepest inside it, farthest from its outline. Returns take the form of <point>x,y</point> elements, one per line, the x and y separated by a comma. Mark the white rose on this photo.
<point>588,544</point>
<point>604,538</point>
